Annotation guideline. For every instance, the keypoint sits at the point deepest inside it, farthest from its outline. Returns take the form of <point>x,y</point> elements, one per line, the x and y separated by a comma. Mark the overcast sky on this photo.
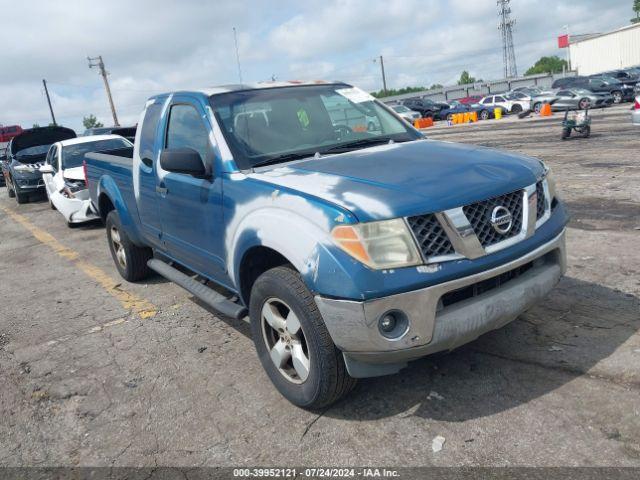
<point>154,46</point>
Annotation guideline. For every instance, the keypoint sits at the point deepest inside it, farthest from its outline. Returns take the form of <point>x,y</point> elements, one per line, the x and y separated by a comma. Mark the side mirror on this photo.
<point>46,168</point>
<point>182,160</point>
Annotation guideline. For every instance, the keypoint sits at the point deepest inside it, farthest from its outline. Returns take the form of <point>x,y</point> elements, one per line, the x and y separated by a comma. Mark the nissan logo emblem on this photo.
<point>501,219</point>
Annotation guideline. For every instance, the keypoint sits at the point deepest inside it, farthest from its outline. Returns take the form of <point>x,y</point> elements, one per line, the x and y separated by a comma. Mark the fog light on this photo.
<point>393,324</point>
<point>388,323</point>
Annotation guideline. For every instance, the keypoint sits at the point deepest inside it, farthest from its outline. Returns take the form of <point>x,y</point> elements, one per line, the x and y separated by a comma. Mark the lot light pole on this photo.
<point>97,62</point>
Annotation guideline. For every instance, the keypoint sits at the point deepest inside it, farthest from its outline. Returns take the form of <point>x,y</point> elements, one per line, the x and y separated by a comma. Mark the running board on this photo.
<point>212,298</point>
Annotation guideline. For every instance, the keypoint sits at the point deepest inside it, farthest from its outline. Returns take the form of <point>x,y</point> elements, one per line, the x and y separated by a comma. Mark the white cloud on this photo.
<point>150,46</point>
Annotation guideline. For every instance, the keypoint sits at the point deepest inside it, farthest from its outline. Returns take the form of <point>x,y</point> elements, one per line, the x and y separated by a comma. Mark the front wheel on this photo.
<point>130,260</point>
<point>537,107</point>
<point>617,97</point>
<point>584,104</point>
<point>484,115</point>
<point>10,189</point>
<point>293,343</point>
<point>566,133</point>
<point>517,108</point>
<point>586,131</point>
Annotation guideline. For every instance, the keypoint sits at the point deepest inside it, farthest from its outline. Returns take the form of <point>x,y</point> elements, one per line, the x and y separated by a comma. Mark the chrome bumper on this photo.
<point>353,325</point>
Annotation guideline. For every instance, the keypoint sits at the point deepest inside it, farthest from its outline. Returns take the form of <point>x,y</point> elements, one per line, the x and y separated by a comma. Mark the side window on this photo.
<point>186,129</point>
<point>499,99</point>
<point>486,100</point>
<point>148,132</point>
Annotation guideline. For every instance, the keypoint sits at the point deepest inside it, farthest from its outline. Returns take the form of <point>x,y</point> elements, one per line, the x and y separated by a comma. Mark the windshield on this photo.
<point>400,108</point>
<point>275,125</point>
<point>31,153</point>
<point>73,155</point>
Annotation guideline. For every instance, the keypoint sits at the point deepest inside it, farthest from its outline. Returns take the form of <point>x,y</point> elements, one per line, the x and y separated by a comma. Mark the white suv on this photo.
<point>509,106</point>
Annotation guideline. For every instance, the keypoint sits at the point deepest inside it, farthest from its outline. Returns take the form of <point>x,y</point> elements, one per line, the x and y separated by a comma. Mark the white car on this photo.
<point>63,174</point>
<point>507,105</point>
<point>406,113</point>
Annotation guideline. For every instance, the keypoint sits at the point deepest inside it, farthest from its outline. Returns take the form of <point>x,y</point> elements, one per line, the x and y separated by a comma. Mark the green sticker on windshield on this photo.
<point>303,118</point>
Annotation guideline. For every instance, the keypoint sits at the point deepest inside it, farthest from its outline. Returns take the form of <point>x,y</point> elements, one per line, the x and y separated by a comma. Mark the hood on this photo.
<point>40,136</point>
<point>75,173</point>
<point>407,179</point>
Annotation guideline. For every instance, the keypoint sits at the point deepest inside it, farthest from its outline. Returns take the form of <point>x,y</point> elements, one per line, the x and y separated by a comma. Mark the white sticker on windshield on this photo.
<point>355,95</point>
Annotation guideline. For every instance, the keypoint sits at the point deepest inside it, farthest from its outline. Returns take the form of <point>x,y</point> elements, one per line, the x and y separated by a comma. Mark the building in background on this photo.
<point>607,51</point>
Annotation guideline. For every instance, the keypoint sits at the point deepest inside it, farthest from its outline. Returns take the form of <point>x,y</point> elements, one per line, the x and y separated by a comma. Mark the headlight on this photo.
<point>24,169</point>
<point>385,244</point>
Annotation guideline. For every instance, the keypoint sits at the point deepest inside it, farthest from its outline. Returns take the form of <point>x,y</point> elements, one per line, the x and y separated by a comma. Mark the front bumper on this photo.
<point>78,209</point>
<point>434,326</point>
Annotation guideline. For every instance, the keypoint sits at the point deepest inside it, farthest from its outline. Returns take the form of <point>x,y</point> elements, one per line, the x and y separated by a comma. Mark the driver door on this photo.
<point>190,208</point>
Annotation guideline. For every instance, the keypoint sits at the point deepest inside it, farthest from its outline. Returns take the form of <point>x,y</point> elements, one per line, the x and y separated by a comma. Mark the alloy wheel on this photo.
<point>118,247</point>
<point>285,340</point>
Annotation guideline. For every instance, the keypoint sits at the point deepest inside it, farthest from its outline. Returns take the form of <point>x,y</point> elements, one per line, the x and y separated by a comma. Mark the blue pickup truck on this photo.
<point>352,249</point>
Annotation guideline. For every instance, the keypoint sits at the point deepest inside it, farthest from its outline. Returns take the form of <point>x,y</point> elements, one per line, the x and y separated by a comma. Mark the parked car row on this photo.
<point>353,249</point>
<point>49,160</point>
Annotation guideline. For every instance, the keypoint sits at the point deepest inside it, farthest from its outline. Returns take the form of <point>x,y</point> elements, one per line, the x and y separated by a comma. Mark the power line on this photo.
<point>103,72</point>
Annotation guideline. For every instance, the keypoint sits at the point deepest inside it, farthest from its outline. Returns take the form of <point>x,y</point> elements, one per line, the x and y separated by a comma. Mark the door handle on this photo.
<point>161,189</point>
<point>147,161</point>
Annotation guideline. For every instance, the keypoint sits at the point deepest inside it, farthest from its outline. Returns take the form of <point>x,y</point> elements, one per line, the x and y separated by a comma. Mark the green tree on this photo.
<point>636,8</point>
<point>465,78</point>
<point>553,64</point>
<point>36,125</point>
<point>90,121</point>
<point>400,91</point>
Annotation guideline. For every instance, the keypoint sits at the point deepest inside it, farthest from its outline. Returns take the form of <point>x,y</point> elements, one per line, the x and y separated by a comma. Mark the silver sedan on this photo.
<point>573,99</point>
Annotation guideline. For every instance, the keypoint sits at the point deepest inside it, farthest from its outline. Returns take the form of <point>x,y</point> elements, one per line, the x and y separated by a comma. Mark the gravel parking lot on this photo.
<point>96,371</point>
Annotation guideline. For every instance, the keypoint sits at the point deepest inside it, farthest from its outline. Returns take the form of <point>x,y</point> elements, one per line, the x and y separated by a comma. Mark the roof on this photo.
<point>583,38</point>
<point>88,139</point>
<point>257,86</point>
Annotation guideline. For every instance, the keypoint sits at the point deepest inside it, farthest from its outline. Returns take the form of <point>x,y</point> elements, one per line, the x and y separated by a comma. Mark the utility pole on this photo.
<point>97,62</point>
<point>506,30</point>
<point>384,78</point>
<point>46,91</point>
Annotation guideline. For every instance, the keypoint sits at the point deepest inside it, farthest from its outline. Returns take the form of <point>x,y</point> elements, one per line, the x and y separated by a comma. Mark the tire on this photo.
<point>281,291</point>
<point>130,260</point>
<point>584,103</point>
<point>617,97</point>
<point>484,115</point>
<point>10,191</point>
<point>22,198</point>
<point>537,107</point>
<point>587,131</point>
<point>516,108</point>
<point>566,133</point>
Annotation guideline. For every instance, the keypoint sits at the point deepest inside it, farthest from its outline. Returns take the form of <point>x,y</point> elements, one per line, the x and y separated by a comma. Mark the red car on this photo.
<point>7,133</point>
<point>470,100</point>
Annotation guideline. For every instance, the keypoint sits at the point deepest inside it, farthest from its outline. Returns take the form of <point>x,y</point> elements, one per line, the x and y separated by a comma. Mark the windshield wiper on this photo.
<point>287,157</point>
<point>363,142</point>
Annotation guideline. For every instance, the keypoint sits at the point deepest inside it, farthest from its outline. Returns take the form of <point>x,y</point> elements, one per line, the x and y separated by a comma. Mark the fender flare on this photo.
<point>307,246</point>
<point>107,186</point>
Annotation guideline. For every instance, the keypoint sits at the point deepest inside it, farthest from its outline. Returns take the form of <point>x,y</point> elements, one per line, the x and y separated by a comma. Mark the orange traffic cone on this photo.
<point>545,110</point>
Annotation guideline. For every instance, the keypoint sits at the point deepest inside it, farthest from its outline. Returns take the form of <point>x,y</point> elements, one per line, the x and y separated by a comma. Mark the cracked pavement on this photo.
<point>85,382</point>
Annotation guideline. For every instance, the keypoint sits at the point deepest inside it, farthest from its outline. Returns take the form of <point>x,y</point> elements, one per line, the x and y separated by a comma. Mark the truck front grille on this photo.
<point>479,215</point>
<point>430,236</point>
<point>540,205</point>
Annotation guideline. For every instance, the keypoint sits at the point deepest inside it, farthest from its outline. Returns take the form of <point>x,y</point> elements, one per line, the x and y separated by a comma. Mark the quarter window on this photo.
<point>148,131</point>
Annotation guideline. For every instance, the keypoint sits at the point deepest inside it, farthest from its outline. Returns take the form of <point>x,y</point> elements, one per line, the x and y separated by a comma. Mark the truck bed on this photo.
<point>111,166</point>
